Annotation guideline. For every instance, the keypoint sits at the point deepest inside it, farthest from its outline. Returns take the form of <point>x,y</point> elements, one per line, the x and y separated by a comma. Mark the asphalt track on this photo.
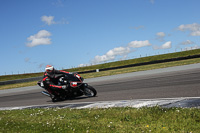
<point>173,82</point>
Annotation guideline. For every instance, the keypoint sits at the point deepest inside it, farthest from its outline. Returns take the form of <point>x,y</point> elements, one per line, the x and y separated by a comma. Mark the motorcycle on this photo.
<point>76,87</point>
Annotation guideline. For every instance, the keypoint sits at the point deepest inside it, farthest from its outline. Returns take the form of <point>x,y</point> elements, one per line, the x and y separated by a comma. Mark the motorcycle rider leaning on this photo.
<point>51,82</point>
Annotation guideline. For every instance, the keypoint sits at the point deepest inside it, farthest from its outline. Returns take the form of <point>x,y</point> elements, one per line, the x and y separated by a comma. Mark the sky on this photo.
<point>75,33</point>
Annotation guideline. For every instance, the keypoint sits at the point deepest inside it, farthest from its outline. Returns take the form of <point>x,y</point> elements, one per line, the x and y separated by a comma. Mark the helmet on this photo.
<point>49,69</point>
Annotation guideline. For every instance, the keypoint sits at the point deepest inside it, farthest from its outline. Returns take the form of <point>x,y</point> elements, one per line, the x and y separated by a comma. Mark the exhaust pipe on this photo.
<point>46,93</point>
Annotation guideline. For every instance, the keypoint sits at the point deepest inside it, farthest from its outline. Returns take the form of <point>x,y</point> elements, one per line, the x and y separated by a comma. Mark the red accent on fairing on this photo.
<point>45,78</point>
<point>56,86</point>
<point>78,76</point>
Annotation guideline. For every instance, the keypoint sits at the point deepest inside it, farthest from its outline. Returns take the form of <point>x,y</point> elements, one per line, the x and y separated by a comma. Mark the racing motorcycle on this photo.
<point>76,87</point>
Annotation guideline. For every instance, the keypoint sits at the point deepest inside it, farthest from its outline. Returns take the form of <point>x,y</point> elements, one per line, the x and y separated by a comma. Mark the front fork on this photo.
<point>83,86</point>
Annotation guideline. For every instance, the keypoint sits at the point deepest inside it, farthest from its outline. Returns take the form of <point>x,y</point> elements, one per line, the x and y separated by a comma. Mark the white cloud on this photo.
<point>119,51</point>
<point>111,54</point>
<point>194,29</point>
<point>41,38</point>
<point>160,36</point>
<point>191,48</point>
<point>166,45</point>
<point>138,44</point>
<point>187,42</point>
<point>82,65</point>
<point>49,20</point>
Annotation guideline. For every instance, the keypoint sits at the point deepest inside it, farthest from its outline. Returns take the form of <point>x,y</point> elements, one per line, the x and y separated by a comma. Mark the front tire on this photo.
<point>90,91</point>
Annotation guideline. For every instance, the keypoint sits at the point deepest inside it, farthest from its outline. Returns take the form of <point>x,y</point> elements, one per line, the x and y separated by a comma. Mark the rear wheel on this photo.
<point>90,91</point>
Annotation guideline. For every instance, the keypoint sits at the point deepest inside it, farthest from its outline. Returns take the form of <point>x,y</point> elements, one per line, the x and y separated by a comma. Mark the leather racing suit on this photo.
<point>51,82</point>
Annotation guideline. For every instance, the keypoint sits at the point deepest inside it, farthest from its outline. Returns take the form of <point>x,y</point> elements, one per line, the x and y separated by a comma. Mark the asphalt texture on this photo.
<point>173,82</point>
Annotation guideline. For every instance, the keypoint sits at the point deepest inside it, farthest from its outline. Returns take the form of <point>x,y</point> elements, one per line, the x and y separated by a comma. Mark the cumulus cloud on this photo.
<point>187,42</point>
<point>124,51</point>
<point>160,36</point>
<point>49,20</point>
<point>194,29</point>
<point>112,54</point>
<point>119,51</point>
<point>138,44</point>
<point>191,48</point>
<point>41,38</point>
<point>166,45</point>
<point>83,65</point>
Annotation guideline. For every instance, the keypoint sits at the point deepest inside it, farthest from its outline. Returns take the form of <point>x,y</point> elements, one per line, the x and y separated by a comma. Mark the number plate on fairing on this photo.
<point>75,84</point>
<point>41,84</point>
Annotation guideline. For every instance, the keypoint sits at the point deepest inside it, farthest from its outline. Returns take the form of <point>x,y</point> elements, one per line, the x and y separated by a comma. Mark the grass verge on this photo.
<point>114,72</point>
<point>111,120</point>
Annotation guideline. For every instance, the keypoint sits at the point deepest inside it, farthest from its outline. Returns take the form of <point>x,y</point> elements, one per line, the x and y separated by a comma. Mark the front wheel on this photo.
<point>90,91</point>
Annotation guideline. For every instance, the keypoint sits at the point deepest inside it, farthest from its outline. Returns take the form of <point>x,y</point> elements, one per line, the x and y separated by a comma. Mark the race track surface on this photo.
<point>174,82</point>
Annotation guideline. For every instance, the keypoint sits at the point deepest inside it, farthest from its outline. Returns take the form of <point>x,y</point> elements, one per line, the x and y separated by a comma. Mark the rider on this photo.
<point>51,82</point>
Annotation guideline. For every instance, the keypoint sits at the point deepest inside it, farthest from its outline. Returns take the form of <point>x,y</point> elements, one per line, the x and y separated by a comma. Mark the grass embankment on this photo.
<point>111,120</point>
<point>138,60</point>
<point>113,64</point>
<point>19,76</point>
<point>114,72</point>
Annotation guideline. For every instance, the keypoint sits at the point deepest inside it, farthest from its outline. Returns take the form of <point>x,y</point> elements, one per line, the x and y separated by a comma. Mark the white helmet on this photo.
<point>49,69</point>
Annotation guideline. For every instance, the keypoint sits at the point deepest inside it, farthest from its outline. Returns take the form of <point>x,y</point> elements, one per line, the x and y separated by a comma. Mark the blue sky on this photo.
<point>72,33</point>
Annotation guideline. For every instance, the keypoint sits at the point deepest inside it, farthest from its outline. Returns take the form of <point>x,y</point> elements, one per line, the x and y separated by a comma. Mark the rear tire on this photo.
<point>90,91</point>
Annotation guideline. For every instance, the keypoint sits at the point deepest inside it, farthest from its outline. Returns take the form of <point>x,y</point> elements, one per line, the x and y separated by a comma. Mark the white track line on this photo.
<point>135,103</point>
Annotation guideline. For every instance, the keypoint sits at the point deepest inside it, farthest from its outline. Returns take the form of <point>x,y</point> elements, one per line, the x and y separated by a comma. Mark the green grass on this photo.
<point>111,120</point>
<point>18,85</point>
<point>19,76</point>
